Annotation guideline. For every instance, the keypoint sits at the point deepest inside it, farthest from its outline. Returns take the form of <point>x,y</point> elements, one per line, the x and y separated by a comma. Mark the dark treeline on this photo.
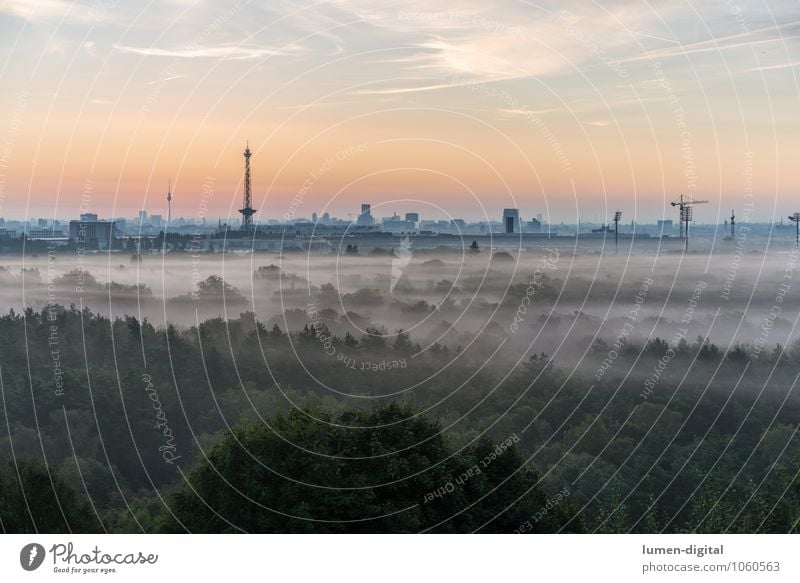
<point>237,426</point>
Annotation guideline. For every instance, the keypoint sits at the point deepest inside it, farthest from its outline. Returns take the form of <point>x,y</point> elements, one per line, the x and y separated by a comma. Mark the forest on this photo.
<point>114,424</point>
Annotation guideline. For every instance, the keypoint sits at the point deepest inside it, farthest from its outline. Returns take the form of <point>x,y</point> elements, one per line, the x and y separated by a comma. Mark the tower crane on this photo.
<point>685,205</point>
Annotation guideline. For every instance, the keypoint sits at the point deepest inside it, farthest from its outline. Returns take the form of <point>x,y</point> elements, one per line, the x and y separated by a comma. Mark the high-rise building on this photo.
<point>365,218</point>
<point>412,217</point>
<point>511,223</point>
<point>92,233</point>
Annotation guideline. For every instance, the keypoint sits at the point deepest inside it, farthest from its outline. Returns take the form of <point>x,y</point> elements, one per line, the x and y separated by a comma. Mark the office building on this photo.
<point>92,233</point>
<point>511,222</point>
<point>365,218</point>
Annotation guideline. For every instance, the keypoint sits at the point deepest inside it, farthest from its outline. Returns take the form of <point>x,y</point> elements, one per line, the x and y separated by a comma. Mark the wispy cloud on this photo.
<point>739,40</point>
<point>777,67</point>
<point>44,11</point>
<point>223,52</point>
<point>401,90</point>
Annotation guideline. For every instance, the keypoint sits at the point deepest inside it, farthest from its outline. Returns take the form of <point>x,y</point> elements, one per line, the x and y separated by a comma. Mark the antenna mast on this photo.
<point>247,211</point>
<point>169,201</point>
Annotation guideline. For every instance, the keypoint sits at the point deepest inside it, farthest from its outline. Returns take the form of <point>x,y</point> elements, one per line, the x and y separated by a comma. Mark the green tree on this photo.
<point>385,470</point>
<point>35,499</point>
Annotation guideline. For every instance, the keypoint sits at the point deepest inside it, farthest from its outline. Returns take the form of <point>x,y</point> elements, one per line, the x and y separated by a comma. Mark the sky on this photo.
<point>571,109</point>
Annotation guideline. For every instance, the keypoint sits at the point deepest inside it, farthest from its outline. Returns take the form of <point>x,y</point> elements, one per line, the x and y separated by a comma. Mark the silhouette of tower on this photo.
<point>169,201</point>
<point>248,211</point>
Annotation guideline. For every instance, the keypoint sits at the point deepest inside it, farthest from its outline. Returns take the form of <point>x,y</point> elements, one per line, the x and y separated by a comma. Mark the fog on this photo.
<point>553,300</point>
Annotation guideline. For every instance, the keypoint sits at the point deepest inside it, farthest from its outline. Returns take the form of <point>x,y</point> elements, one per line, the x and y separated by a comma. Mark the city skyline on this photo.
<point>565,110</point>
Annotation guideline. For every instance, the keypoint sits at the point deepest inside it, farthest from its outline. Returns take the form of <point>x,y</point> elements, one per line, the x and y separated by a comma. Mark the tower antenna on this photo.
<point>248,211</point>
<point>169,200</point>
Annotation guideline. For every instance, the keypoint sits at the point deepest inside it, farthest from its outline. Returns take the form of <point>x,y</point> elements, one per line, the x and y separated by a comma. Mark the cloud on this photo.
<point>777,67</point>
<point>401,90</point>
<point>223,52</point>
<point>483,41</point>
<point>739,40</point>
<point>43,11</point>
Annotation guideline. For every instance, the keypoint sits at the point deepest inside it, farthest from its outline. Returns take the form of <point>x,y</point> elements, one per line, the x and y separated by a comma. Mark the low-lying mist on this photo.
<point>547,300</point>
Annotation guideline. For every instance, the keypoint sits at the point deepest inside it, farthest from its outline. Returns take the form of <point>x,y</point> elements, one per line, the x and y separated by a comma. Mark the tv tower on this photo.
<point>248,211</point>
<point>169,201</point>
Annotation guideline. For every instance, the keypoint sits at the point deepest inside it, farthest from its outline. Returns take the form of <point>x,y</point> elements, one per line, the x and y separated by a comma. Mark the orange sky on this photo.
<point>468,110</point>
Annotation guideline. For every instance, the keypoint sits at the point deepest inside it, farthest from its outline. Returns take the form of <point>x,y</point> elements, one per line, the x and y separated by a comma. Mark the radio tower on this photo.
<point>169,201</point>
<point>248,211</point>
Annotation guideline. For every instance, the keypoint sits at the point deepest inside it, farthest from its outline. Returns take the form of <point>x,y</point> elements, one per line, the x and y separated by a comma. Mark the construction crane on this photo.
<point>686,216</point>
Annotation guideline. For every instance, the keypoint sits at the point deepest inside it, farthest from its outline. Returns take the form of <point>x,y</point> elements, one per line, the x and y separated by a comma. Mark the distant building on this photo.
<point>511,223</point>
<point>458,224</point>
<point>8,233</point>
<point>93,233</point>
<point>365,218</point>
<point>155,220</point>
<point>395,224</point>
<point>142,217</point>
<point>665,227</point>
<point>88,217</point>
<point>33,234</point>
<point>412,217</point>
<point>534,226</point>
